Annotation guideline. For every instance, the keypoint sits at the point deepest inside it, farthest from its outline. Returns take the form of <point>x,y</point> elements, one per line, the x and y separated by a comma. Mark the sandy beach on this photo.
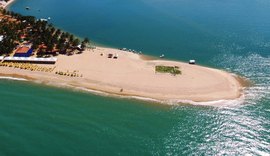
<point>5,5</point>
<point>131,75</point>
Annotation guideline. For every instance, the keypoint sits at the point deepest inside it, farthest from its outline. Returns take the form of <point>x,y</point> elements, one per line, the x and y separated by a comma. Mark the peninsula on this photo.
<point>113,71</point>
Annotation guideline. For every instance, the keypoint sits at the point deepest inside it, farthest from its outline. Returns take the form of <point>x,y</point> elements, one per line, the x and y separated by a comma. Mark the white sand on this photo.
<point>136,77</point>
<point>6,4</point>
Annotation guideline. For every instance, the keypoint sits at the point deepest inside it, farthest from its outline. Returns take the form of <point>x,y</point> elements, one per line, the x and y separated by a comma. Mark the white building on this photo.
<point>1,38</point>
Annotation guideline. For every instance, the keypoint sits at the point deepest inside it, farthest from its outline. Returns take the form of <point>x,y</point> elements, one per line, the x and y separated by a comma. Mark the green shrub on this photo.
<point>168,69</point>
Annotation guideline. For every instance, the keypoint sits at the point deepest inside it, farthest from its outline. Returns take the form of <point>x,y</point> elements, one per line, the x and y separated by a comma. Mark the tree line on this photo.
<point>43,36</point>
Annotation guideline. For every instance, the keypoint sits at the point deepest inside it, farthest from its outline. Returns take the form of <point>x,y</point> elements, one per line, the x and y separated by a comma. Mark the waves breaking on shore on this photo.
<point>255,68</point>
<point>217,103</point>
<point>12,78</point>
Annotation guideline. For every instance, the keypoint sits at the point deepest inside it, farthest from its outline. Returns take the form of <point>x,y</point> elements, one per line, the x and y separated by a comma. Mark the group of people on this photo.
<point>27,66</point>
<point>68,73</point>
<point>34,67</point>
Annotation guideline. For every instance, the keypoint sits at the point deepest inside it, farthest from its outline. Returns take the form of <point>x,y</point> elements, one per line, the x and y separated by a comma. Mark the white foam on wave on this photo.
<point>217,103</point>
<point>91,91</point>
<point>255,68</point>
<point>12,78</point>
<point>175,102</point>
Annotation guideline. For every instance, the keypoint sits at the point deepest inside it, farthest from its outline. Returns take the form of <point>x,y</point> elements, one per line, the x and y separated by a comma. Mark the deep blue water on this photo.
<point>233,35</point>
<point>181,29</point>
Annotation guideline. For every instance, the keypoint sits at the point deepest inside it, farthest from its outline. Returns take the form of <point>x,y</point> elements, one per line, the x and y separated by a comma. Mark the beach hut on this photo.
<point>23,51</point>
<point>192,62</point>
<point>51,60</point>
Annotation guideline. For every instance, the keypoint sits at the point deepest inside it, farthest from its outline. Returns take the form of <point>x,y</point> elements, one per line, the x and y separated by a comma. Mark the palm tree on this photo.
<point>58,32</point>
<point>50,47</point>
<point>76,42</point>
<point>86,40</point>
<point>71,38</point>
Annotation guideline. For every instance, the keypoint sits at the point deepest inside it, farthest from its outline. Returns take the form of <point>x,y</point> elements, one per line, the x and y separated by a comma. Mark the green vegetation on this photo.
<point>168,69</point>
<point>45,39</point>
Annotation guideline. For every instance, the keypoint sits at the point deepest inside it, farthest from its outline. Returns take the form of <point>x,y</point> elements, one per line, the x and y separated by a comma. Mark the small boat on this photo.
<point>49,18</point>
<point>27,8</point>
<point>162,56</point>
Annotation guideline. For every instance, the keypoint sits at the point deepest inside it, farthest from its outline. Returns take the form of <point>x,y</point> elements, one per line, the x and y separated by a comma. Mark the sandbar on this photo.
<point>132,75</point>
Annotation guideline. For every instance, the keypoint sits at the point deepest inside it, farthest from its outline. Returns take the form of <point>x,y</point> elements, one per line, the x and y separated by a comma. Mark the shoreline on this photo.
<point>136,77</point>
<point>8,4</point>
<point>218,103</point>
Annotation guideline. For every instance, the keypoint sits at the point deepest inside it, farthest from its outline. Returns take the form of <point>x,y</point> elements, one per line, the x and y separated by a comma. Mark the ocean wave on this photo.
<point>90,90</point>
<point>255,68</point>
<point>176,102</point>
<point>218,103</point>
<point>12,78</point>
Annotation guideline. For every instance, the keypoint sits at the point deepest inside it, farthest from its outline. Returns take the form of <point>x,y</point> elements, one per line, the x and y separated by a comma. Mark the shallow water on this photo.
<point>231,35</point>
<point>180,29</point>
<point>40,120</point>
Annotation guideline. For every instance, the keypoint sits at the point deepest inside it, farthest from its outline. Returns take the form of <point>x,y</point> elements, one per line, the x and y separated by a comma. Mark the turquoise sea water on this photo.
<point>231,35</point>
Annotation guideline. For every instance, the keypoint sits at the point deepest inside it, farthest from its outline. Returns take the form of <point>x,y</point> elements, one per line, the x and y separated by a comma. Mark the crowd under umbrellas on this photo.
<point>27,66</point>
